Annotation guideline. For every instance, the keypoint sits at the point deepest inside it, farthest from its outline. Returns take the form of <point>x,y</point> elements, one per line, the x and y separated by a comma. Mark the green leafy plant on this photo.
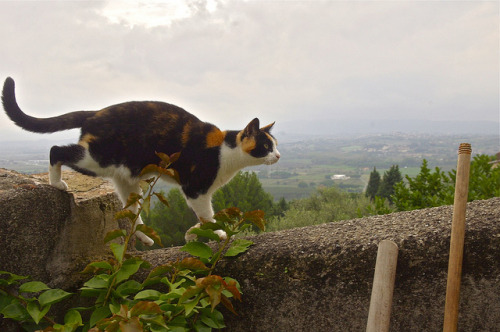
<point>177,296</point>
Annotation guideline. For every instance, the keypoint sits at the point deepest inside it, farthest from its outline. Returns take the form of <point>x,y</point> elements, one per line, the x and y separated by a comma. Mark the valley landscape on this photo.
<point>310,162</point>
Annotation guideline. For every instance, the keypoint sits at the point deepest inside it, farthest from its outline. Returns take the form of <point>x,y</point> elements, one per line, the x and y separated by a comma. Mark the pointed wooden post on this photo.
<point>379,315</point>
<point>457,239</point>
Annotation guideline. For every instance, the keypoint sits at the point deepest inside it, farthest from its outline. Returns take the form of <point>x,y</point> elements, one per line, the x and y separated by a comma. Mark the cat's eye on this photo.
<point>266,146</point>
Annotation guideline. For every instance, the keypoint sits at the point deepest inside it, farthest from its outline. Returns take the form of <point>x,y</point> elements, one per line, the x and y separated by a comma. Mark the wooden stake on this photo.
<point>379,315</point>
<point>457,239</point>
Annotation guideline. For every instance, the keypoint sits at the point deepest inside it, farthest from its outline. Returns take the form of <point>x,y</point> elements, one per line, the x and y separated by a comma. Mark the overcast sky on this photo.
<point>230,61</point>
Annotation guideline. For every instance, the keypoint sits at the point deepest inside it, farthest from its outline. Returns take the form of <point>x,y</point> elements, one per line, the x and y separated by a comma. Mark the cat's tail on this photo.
<point>37,125</point>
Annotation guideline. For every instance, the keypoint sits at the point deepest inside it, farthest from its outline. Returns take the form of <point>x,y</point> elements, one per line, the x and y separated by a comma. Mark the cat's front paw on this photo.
<point>61,185</point>
<point>189,237</point>
<point>222,234</point>
<point>144,238</point>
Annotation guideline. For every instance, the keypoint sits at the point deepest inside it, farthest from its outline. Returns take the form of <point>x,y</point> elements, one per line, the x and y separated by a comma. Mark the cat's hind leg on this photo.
<point>202,207</point>
<point>124,188</point>
<point>63,155</point>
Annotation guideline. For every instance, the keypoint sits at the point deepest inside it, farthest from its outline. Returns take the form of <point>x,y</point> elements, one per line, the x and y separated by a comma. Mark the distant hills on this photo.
<point>343,127</point>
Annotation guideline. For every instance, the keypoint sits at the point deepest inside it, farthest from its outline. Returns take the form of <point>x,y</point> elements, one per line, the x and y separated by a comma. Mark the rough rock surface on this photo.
<point>50,234</point>
<point>315,278</point>
<point>319,278</point>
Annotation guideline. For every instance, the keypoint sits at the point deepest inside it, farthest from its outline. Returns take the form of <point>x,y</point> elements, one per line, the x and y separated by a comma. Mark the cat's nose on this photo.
<point>278,155</point>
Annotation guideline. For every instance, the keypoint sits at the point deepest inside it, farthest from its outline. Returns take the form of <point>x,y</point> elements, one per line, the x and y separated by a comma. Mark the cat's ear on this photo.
<point>267,128</point>
<point>252,128</point>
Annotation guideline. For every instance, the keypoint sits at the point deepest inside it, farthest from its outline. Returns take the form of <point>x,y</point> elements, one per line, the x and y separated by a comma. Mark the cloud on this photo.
<point>228,62</point>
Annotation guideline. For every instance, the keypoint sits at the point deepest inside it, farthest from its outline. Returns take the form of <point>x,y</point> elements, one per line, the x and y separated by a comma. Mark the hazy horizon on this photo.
<point>230,61</point>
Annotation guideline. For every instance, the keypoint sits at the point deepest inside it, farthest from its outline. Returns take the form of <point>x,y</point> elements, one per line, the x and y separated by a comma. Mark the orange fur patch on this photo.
<point>215,138</point>
<point>247,144</point>
<point>86,139</point>
<point>185,133</point>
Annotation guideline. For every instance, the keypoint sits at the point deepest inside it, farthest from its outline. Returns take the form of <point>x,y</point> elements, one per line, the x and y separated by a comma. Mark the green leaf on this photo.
<point>35,312</point>
<point>12,279</point>
<point>114,234</point>
<point>128,268</point>
<point>160,270</point>
<point>73,318</point>
<point>146,204</point>
<point>128,287</point>
<point>145,184</point>
<point>98,314</point>
<point>213,319</point>
<point>148,294</point>
<point>237,247</point>
<point>96,266</point>
<point>189,306</point>
<point>52,296</point>
<point>33,287</point>
<point>99,281</point>
<point>197,249</point>
<point>208,233</point>
<point>199,326</point>
<point>118,250</point>
<point>15,311</point>
<point>190,292</point>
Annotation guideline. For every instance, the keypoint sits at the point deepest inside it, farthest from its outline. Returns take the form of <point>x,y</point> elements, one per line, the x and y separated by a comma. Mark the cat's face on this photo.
<point>259,143</point>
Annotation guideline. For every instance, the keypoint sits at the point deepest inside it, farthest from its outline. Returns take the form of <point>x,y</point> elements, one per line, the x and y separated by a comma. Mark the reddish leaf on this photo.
<point>164,157</point>
<point>214,294</point>
<point>174,157</point>
<point>227,303</point>
<point>151,233</point>
<point>125,214</point>
<point>151,168</point>
<point>191,263</point>
<point>231,287</point>
<point>132,199</point>
<point>257,218</point>
<point>230,215</point>
<point>170,172</point>
<point>132,325</point>
<point>162,199</point>
<point>145,308</point>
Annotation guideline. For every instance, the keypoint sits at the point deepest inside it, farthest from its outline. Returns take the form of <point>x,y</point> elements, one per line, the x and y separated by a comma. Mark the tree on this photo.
<point>436,188</point>
<point>171,222</point>
<point>484,178</point>
<point>325,205</point>
<point>245,192</point>
<point>390,179</point>
<point>373,184</point>
<point>427,189</point>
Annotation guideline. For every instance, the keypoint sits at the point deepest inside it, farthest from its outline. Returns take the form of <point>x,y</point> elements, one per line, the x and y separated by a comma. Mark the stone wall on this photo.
<point>315,278</point>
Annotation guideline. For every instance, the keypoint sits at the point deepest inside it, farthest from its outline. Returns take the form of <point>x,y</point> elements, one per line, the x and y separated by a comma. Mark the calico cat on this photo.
<point>118,141</point>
